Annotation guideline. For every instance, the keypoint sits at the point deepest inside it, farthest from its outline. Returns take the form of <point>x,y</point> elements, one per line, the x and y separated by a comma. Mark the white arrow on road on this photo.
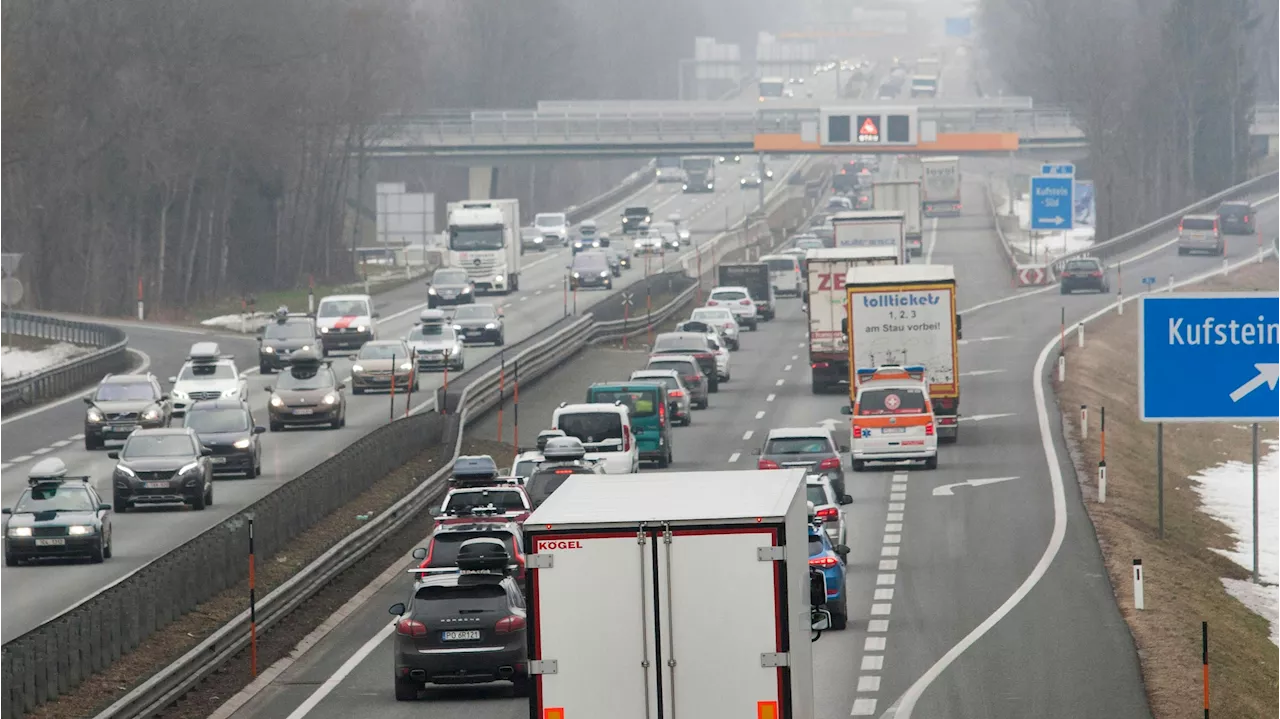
<point>980,372</point>
<point>1268,373</point>
<point>832,425</point>
<point>945,490</point>
<point>981,417</point>
<point>1052,220</point>
<point>983,339</point>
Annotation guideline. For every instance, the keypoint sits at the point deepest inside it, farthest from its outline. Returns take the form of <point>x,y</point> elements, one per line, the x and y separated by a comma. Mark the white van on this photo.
<point>605,431</point>
<point>785,275</point>
<point>346,322</point>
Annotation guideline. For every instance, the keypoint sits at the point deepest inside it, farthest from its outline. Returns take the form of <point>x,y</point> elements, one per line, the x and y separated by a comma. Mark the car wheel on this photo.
<point>10,560</point>
<point>502,339</point>
<point>931,463</point>
<point>198,503</point>
<point>416,384</point>
<point>859,465</point>
<point>714,386</point>
<point>98,555</point>
<point>840,619</point>
<point>252,471</point>
<point>275,427</point>
<point>357,390</point>
<point>407,690</point>
<point>1062,289</point>
<point>688,420</point>
<point>208,495</point>
<point>106,551</point>
<point>92,443</point>
<point>119,506</point>
<point>521,686</point>
<point>664,461</point>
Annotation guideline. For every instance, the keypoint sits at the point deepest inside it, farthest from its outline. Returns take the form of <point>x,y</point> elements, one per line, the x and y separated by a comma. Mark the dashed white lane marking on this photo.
<point>873,663</point>
<point>747,435</point>
<point>877,626</point>
<point>892,539</point>
<point>884,595</point>
<point>771,398</point>
<point>779,382</point>
<point>795,357</point>
<point>864,707</point>
<point>874,644</point>
<point>896,507</point>
<point>787,368</point>
<point>62,443</point>
<point>893,527</point>
<point>760,414</point>
<point>20,459</point>
<point>869,683</point>
<point>983,339</point>
<point>889,551</point>
<point>522,299</point>
<point>76,437</point>
<point>886,579</point>
<point>537,292</point>
<point>5,466</point>
<point>42,450</point>
<point>894,517</point>
<point>553,285</point>
<point>898,497</point>
<point>888,565</point>
<point>802,345</point>
<point>734,457</point>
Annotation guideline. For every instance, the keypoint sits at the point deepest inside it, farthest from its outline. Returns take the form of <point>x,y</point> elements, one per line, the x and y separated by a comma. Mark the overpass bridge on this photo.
<point>630,128</point>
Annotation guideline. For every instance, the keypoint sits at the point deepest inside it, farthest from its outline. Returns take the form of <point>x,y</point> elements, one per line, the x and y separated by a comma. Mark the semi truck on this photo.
<point>941,186</point>
<point>484,240</point>
<point>904,196</point>
<point>699,174</point>
<point>623,618</point>
<point>825,298</point>
<point>872,228</point>
<point>906,315</point>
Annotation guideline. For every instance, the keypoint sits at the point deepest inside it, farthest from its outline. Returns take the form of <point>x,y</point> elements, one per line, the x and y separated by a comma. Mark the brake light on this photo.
<point>704,356</point>
<point>830,463</point>
<point>564,471</point>
<point>1096,274</point>
<point>823,562</point>
<point>411,628</point>
<point>819,365</point>
<point>928,430</point>
<point>744,302</point>
<point>675,393</point>
<point>712,303</point>
<point>662,413</point>
<point>1245,218</point>
<point>626,438</point>
<point>506,625</point>
<point>767,464</point>
<point>827,513</point>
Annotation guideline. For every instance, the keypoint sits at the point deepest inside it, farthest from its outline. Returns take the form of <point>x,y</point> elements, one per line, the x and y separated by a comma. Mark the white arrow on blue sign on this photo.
<point>1209,357</point>
<point>1148,280</point>
<point>1052,202</point>
<point>1058,168</point>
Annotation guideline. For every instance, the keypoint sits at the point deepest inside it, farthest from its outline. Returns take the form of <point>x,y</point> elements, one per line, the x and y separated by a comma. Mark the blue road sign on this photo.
<point>1209,357</point>
<point>1052,202</point>
<point>1148,280</point>
<point>959,26</point>
<point>1057,168</point>
<point>1085,203</point>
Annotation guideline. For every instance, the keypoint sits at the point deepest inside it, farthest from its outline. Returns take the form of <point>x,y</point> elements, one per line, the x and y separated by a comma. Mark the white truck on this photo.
<point>825,299</point>
<point>902,195</point>
<point>906,315</point>
<point>941,186</point>
<point>872,228</point>
<point>924,82</point>
<point>908,167</point>
<point>680,594</point>
<point>484,240</point>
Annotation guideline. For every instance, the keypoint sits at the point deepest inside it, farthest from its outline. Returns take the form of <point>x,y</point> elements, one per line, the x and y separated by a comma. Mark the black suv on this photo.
<point>1236,218</point>
<point>1084,273</point>
<point>162,466</point>
<point>480,323</point>
<point>635,219</point>
<point>441,552</point>
<point>590,269</point>
<point>285,335</point>
<point>121,404</point>
<point>227,428</point>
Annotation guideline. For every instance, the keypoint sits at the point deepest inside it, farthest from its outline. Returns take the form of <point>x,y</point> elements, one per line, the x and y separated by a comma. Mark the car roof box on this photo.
<point>483,554</point>
<point>547,434</point>
<point>473,468</point>
<point>205,352</point>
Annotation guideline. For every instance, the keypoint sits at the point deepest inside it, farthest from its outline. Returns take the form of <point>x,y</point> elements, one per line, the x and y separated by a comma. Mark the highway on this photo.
<point>36,593</point>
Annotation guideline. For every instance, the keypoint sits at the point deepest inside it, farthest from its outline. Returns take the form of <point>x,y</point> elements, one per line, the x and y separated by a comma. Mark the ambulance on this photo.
<point>893,418</point>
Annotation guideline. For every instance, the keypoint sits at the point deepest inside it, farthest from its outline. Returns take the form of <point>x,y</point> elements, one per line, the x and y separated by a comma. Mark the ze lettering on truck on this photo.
<point>548,544</point>
<point>830,281</point>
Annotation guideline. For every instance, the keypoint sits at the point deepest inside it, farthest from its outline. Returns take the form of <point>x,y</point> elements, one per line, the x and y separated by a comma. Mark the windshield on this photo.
<point>589,261</point>
<point>817,494</point>
<point>466,239</point>
<point>891,401</point>
<point>55,498</point>
<point>158,445</point>
<point>1081,265</point>
<point>426,332</point>
<point>684,368</point>
<point>636,211</point>
<point>299,379</point>
<point>728,295</point>
<point>697,164</point>
<point>668,162</point>
<point>343,308</point>
<point>678,345</point>
<point>550,219</point>
<point>217,420</point>
<point>505,500</point>
<point>206,372</point>
<point>433,601</point>
<point>122,392</point>
<point>771,87</point>
<point>665,380</point>
<point>449,277</point>
<point>641,402</point>
<point>444,546</point>
<point>711,314</point>
<point>372,351</point>
<point>814,244</point>
<point>1234,210</point>
<point>781,265</point>
<point>798,445</point>
<point>545,481</point>
<point>289,331</point>
<point>529,232</point>
<point>591,427</point>
<point>474,312</point>
<point>1195,223</point>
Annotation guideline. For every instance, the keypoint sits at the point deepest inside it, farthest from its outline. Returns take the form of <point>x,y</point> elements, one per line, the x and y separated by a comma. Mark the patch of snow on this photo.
<point>15,362</point>
<point>248,322</point>
<point>1047,246</point>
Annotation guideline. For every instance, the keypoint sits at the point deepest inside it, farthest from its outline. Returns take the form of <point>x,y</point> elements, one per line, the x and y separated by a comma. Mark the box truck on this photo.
<point>872,228</point>
<point>903,196</point>
<point>755,277</point>
<point>825,299</point>
<point>941,186</point>
<point>906,315</point>
<point>484,240</point>
<point>908,167</point>
<point>680,594</point>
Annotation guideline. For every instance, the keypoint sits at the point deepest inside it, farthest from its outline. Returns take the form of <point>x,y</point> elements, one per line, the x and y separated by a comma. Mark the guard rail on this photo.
<point>110,355</point>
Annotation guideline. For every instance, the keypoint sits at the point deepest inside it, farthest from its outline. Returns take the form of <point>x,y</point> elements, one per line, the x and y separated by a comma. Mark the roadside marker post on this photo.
<point>626,315</point>
<point>1102,458</point>
<point>1204,661</point>
<point>253,608</point>
<point>1139,601</point>
<point>1084,421</point>
<point>1080,335</point>
<point>444,409</point>
<point>140,305</point>
<point>515,406</point>
<point>393,388</point>
<point>566,295</point>
<point>1062,368</point>
<point>502,388</point>
<point>1171,282</point>
<point>311,294</point>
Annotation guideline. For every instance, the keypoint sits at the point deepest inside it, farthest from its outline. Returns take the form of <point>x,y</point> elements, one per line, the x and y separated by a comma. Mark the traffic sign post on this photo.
<point>1148,283</point>
<point>1052,202</point>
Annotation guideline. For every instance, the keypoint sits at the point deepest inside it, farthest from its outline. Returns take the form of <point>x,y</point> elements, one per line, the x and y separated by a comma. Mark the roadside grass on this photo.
<point>1182,572</point>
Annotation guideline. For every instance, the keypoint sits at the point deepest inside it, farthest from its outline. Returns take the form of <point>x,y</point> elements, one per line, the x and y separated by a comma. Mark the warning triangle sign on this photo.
<point>868,127</point>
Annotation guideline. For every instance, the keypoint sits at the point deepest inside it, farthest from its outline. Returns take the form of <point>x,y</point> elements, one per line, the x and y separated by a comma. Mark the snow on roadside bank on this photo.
<point>1048,245</point>
<point>15,362</point>
<point>248,322</point>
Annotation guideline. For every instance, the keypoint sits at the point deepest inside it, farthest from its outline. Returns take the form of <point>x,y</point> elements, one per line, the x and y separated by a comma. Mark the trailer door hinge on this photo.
<point>771,554</point>
<point>543,666</point>
<point>541,560</point>
<point>773,660</point>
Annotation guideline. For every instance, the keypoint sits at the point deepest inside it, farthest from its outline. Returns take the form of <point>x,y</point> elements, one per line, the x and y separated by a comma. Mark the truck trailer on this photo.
<point>872,228</point>
<point>484,240</point>
<point>627,613</point>
<point>906,315</point>
<point>755,277</point>
<point>941,186</point>
<point>825,299</point>
<point>903,196</point>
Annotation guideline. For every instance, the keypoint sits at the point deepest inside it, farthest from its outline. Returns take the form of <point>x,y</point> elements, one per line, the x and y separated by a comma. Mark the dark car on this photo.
<point>1236,218</point>
<point>56,516</point>
<point>442,549</point>
<point>450,286</point>
<point>227,428</point>
<point>635,219</point>
<point>1085,273</point>
<point>809,447</point>
<point>590,269</point>
<point>283,336</point>
<point>463,627</point>
<point>308,394</point>
<point>549,475</point>
<point>121,404</point>
<point>162,466</point>
<point>592,241</point>
<point>480,323</point>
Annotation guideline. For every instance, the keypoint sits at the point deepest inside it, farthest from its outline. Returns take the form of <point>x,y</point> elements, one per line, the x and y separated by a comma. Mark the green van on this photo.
<point>650,415</point>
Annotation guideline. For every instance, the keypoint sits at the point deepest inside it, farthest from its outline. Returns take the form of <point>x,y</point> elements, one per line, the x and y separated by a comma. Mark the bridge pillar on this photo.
<point>482,183</point>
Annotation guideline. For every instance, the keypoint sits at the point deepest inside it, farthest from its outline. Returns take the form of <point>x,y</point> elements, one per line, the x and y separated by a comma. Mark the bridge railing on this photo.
<point>110,355</point>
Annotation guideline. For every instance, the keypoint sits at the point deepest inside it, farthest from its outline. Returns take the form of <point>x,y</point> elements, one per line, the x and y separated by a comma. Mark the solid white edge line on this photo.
<point>347,667</point>
<point>933,240</point>
<point>902,708</point>
<point>143,367</point>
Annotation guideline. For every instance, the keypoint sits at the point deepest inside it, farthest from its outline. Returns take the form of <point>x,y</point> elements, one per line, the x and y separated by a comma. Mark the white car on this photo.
<point>346,322</point>
<point>826,507</point>
<point>682,229</point>
<point>207,374</point>
<point>723,318</point>
<point>524,464</point>
<point>784,274</point>
<point>648,242</point>
<point>893,418</point>
<point>722,355</point>
<point>553,224</point>
<point>738,301</point>
<point>508,498</point>
<point>605,432</point>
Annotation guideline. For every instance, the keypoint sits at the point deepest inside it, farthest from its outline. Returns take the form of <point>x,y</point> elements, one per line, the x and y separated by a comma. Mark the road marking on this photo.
<point>143,366</point>
<point>779,382</point>
<point>894,517</point>
<point>76,437</point>
<point>747,435</point>
<point>787,368</point>
<point>897,497</point>
<point>21,458</point>
<point>886,579</point>
<point>982,417</point>
<point>883,595</point>
<point>537,292</point>
<point>892,539</point>
<point>895,507</point>
<point>983,339</point>
<point>525,298</point>
<point>795,357</point>
<point>771,398</point>
<point>42,450</point>
<point>981,372</point>
<point>869,683</point>
<point>945,490</point>
<point>347,667</point>
<point>5,466</point>
<point>889,551</point>
<point>877,626</point>
<point>933,240</point>
<point>62,443</point>
<point>873,663</point>
<point>734,457</point>
<point>864,707</point>
<point>893,527</point>
<point>760,414</point>
<point>553,285</point>
<point>874,644</point>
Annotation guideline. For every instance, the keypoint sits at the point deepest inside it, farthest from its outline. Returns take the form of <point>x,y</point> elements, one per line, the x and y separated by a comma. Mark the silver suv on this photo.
<point>1200,233</point>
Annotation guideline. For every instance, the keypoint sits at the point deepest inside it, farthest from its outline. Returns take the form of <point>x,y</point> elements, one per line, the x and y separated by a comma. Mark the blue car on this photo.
<point>831,560</point>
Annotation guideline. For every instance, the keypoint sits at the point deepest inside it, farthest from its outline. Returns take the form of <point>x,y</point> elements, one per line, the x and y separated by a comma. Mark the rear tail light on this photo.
<point>827,513</point>
<point>692,379</point>
<point>626,438</point>
<point>411,628</point>
<point>1245,218</point>
<point>819,365</point>
<point>662,414</point>
<point>431,548</point>
<point>824,563</point>
<point>712,303</point>
<point>928,430</point>
<point>675,393</point>
<point>744,302</point>
<point>1096,274</point>
<point>564,471</point>
<point>767,464</point>
<point>506,625</point>
<point>830,463</point>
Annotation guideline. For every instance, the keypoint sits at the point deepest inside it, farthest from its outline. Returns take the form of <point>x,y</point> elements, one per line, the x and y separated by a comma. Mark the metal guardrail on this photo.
<point>111,355</point>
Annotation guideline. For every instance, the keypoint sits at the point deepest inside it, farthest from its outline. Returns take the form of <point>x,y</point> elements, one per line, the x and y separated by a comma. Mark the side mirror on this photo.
<point>817,588</point>
<point>376,315</point>
<point>397,609</point>
<point>844,448</point>
<point>113,454</point>
<point>164,398</point>
<point>6,510</point>
<point>846,410</point>
<point>173,380</point>
<point>420,553</point>
<point>206,452</point>
<point>104,507</point>
<point>259,430</point>
<point>819,619</point>
<point>841,549</point>
<point>88,401</point>
<point>267,389</point>
<point>845,500</point>
<point>434,511</point>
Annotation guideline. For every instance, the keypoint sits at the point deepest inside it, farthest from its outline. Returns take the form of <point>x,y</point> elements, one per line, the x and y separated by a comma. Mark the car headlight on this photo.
<point>79,530</point>
<point>231,393</point>
<point>189,467</point>
<point>242,443</point>
<point>466,289</point>
<point>491,326</point>
<point>604,273</point>
<point>268,349</point>
<point>406,366</point>
<point>20,532</point>
<point>576,275</point>
<point>457,349</point>
<point>276,401</point>
<point>361,328</point>
<point>177,394</point>
<point>330,399</point>
<point>498,279</point>
<point>711,185</point>
<point>325,330</point>
<point>648,218</point>
<point>457,328</point>
<point>151,415</point>
<point>430,291</point>
<point>684,187</point>
<point>306,348</point>
<point>122,469</point>
<point>357,368</point>
<point>94,414</point>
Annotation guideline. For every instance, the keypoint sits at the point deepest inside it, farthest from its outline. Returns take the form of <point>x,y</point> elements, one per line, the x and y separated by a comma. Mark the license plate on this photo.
<point>218,460</point>
<point>50,542</point>
<point>156,485</point>
<point>893,430</point>
<point>304,411</point>
<point>125,428</point>
<point>461,636</point>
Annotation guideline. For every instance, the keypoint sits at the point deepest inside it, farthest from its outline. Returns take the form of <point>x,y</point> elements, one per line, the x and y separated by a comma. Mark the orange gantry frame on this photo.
<point>946,143</point>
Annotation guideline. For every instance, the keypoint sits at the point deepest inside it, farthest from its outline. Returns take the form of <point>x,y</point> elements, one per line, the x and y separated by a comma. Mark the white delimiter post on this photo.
<point>1139,602</point>
<point>1080,335</point>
